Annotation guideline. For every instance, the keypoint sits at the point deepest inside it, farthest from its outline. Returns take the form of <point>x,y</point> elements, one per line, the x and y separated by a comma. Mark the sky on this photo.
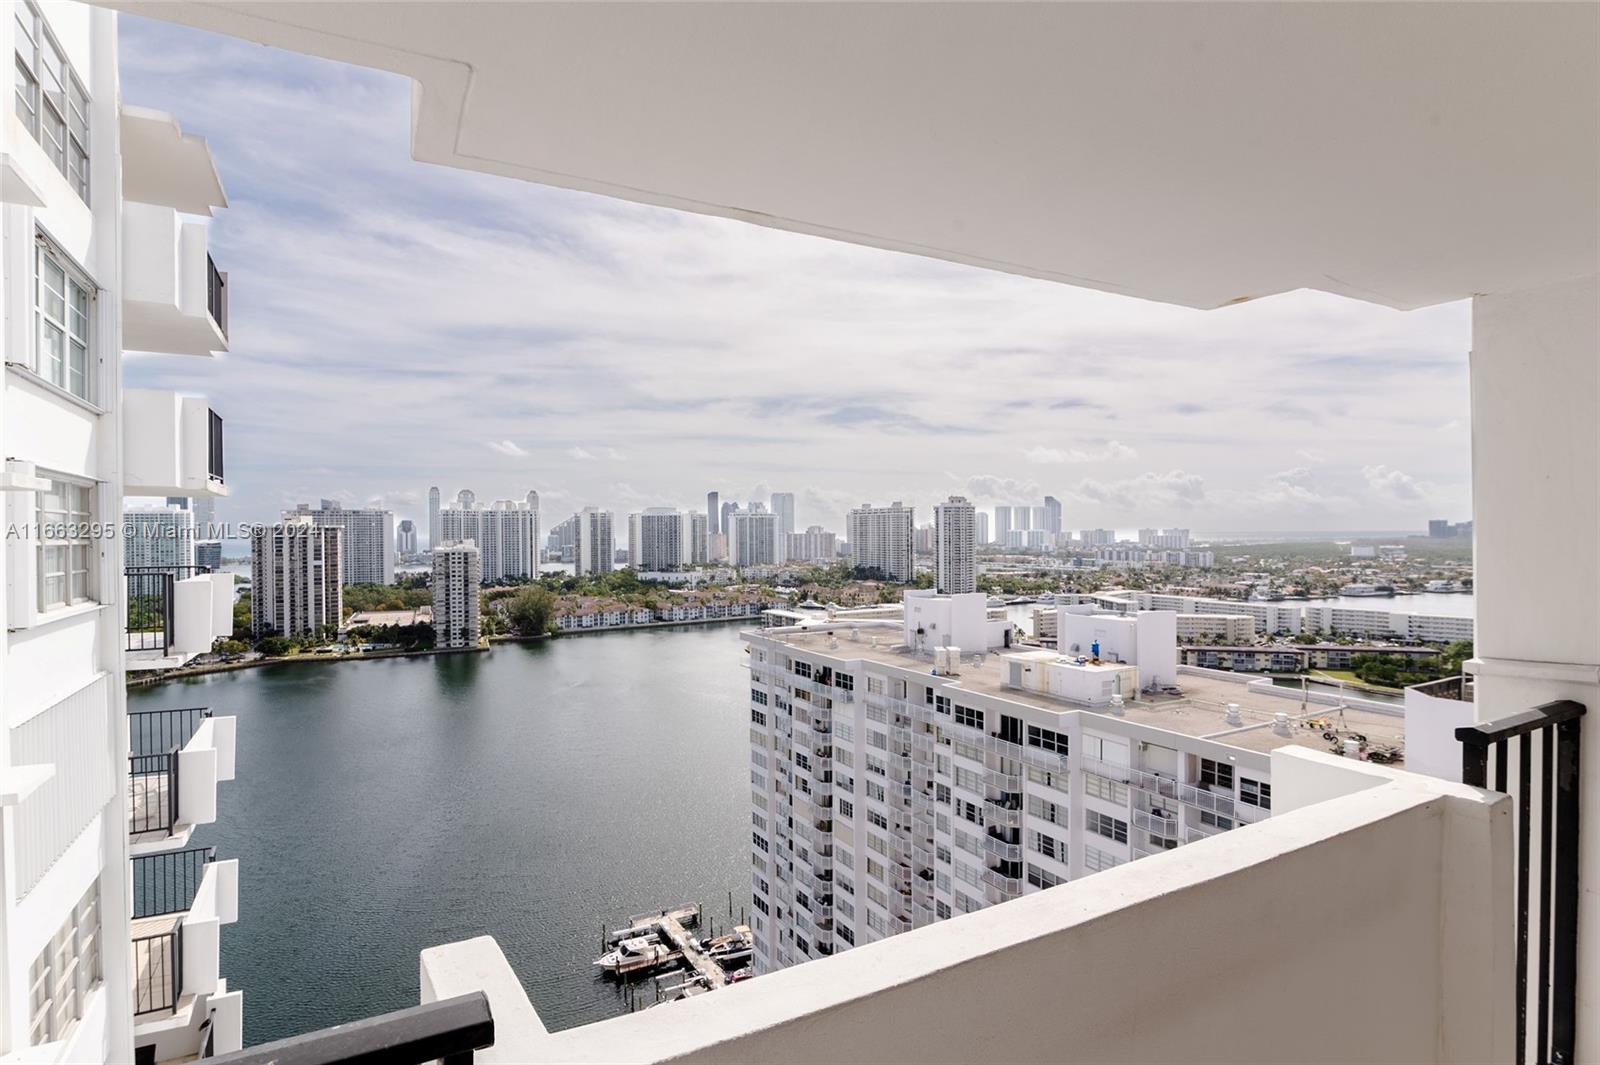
<point>395,325</point>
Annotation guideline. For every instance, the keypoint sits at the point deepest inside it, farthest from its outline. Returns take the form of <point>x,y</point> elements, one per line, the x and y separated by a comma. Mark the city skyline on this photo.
<point>1325,415</point>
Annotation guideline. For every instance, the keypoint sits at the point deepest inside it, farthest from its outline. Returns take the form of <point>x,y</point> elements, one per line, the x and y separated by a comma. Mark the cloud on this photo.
<point>1393,484</point>
<point>1152,491</point>
<point>1111,452</point>
<point>1002,490</point>
<point>507,447</point>
<point>578,454</point>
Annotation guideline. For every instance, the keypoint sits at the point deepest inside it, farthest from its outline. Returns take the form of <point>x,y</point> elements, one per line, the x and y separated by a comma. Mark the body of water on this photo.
<point>531,793</point>
<point>1457,605</point>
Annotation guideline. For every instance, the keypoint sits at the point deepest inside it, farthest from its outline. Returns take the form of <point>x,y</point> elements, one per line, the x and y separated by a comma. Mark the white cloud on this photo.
<point>578,454</point>
<point>1112,451</point>
<point>507,447</point>
<point>1002,490</point>
<point>1394,484</point>
<point>1149,493</point>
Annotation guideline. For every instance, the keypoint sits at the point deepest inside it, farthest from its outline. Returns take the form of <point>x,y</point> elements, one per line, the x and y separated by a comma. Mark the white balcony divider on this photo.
<point>166,441</point>
<point>72,737</point>
<point>1368,921</point>
<point>166,278</point>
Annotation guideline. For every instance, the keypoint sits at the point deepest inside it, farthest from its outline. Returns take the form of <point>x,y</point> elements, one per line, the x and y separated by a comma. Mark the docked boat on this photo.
<point>1367,590</point>
<point>735,948</point>
<point>636,954</point>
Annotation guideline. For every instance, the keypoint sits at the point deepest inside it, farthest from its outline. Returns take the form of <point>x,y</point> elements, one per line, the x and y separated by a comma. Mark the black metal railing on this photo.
<point>150,620</point>
<point>213,452</point>
<point>449,1031</point>
<point>1549,736</point>
<point>167,882</point>
<point>157,972</point>
<point>152,792</point>
<point>217,295</point>
<point>208,1036</point>
<point>159,731</point>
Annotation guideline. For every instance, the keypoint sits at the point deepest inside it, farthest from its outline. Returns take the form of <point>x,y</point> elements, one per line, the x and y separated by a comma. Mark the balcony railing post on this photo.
<point>1557,728</point>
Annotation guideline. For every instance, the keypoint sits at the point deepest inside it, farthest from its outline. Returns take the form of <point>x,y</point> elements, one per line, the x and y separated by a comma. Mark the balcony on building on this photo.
<point>172,445</point>
<point>183,1008</point>
<point>173,614</point>
<point>176,759</point>
<point>174,300</point>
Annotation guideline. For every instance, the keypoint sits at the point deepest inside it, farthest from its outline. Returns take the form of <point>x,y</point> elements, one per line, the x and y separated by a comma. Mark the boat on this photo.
<point>640,952</point>
<point>740,974</point>
<point>734,948</point>
<point>995,600</point>
<point>1367,590</point>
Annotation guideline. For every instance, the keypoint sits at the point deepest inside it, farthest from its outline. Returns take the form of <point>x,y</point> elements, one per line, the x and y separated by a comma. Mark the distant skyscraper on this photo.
<point>433,517</point>
<point>1002,525</point>
<point>1052,514</point>
<point>595,543</point>
<point>294,577</point>
<point>405,538</point>
<point>982,519</point>
<point>506,534</point>
<point>159,538</point>
<point>783,508</point>
<point>367,550</point>
<point>563,542</point>
<point>882,540</point>
<point>466,499</point>
<point>955,546</point>
<point>713,515</point>
<point>752,538</point>
<point>656,540</point>
<point>696,539</point>
<point>455,586</point>
<point>726,512</point>
<point>816,544</point>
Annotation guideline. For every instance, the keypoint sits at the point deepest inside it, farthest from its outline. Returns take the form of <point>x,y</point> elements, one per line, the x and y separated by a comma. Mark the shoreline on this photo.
<point>150,678</point>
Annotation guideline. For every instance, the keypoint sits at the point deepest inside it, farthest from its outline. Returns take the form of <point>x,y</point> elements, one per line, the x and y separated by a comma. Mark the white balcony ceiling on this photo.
<point>1201,154</point>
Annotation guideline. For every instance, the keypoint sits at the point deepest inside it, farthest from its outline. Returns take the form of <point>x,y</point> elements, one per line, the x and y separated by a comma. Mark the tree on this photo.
<point>275,646</point>
<point>532,611</point>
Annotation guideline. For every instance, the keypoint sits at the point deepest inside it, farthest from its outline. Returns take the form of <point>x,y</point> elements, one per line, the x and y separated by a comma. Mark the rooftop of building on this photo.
<point>1200,710</point>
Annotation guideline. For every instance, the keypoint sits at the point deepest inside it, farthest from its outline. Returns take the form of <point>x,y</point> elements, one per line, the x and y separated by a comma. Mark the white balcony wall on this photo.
<point>164,283</point>
<point>1391,897</point>
<point>197,618</point>
<point>166,441</point>
<point>207,758</point>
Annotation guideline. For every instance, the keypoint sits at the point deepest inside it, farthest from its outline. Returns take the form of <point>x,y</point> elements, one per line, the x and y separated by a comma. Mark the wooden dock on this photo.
<point>673,931</point>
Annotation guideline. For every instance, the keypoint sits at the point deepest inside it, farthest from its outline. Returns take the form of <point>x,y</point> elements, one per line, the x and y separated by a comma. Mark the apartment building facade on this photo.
<point>295,584</point>
<point>103,248</point>
<point>457,579</point>
<point>506,534</point>
<point>659,539</point>
<point>753,538</point>
<point>593,543</point>
<point>883,540</point>
<point>955,549</point>
<point>367,546</point>
<point>816,545</point>
<point>887,796</point>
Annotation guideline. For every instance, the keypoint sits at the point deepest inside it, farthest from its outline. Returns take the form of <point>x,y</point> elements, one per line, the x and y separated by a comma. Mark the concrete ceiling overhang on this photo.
<point>1196,153</point>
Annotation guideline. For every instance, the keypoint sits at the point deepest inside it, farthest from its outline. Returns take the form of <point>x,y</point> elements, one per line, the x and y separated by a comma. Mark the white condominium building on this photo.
<point>816,544</point>
<point>900,777</point>
<point>658,540</point>
<point>506,534</point>
<point>982,520</point>
<point>158,538</point>
<point>1229,628</point>
<point>1386,624</point>
<point>955,546</point>
<point>295,586</point>
<point>753,537</point>
<point>457,578</point>
<point>103,248</point>
<point>435,537</point>
<point>1097,537</point>
<point>368,542</point>
<point>882,540</point>
<point>595,546</point>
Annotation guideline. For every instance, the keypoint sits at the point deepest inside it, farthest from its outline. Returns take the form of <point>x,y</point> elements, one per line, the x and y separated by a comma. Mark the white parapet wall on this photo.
<point>1369,921</point>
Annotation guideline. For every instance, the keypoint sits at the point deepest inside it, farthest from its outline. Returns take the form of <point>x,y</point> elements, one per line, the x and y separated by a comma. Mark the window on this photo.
<point>66,516</point>
<point>844,682</point>
<point>845,934</point>
<point>802,669</point>
<point>1049,846</point>
<point>1095,859</point>
<point>1101,788</point>
<point>1216,774</point>
<point>756,715</point>
<point>969,717</point>
<point>1215,820</point>
<point>64,972</point>
<point>941,909</point>
<point>760,698</point>
<point>50,100</point>
<point>63,306</point>
<point>1048,777</point>
<point>1043,877</point>
<point>1106,825</point>
<point>847,808</point>
<point>1255,793</point>
<point>1049,811</point>
<point>1047,740</point>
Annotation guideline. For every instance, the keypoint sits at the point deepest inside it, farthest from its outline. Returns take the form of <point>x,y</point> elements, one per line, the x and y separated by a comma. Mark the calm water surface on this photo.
<point>529,793</point>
